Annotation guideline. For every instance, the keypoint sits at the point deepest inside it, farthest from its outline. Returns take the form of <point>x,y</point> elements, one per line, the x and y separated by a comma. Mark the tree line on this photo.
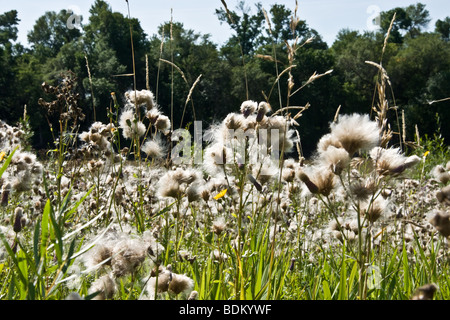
<point>269,55</point>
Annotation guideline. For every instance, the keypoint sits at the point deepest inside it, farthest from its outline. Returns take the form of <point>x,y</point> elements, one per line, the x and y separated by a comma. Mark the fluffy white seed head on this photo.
<point>355,132</point>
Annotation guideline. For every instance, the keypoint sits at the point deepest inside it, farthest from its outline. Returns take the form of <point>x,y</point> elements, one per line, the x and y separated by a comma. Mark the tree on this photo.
<point>443,27</point>
<point>246,25</point>
<point>194,54</point>
<point>50,33</point>
<point>8,29</point>
<point>281,28</point>
<point>419,74</point>
<point>351,49</point>
<point>408,21</point>
<point>8,32</point>
<point>113,28</point>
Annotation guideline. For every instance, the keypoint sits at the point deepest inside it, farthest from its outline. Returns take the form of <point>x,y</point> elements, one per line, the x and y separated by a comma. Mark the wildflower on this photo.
<point>263,109</point>
<point>186,255</point>
<point>215,156</point>
<point>278,133</point>
<point>219,225</point>
<point>361,189</point>
<point>219,256</point>
<point>2,155</point>
<point>248,107</point>
<point>205,195</point>
<point>173,183</point>
<point>153,115</point>
<point>322,181</point>
<point>193,295</point>
<point>105,286</point>
<point>312,187</point>
<point>289,170</point>
<point>187,176</point>
<point>162,123</point>
<point>180,283</point>
<point>127,255</point>
<point>233,121</point>
<point>441,174</point>
<point>373,210</point>
<point>193,192</point>
<point>441,221</point>
<point>443,195</point>
<point>168,187</point>
<point>355,132</point>
<point>153,247</point>
<point>101,253</point>
<point>326,141</point>
<point>131,127</point>
<point>425,292</point>
<point>391,161</point>
<point>221,194</point>
<point>153,149</point>
<point>98,135</point>
<point>142,97</point>
<point>336,159</point>
<point>159,283</point>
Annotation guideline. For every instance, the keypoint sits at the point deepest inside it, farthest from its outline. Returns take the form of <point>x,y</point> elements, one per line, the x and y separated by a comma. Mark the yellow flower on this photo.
<point>2,155</point>
<point>425,154</point>
<point>220,194</point>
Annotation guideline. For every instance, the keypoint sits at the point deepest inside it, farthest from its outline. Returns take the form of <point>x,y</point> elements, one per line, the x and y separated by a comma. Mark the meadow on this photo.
<point>135,208</point>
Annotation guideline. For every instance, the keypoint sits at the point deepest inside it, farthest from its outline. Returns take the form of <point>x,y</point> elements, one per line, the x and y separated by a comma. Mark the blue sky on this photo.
<point>326,16</point>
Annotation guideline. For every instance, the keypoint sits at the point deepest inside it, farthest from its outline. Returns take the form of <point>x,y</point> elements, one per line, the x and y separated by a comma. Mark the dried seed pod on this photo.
<point>425,292</point>
<point>17,220</point>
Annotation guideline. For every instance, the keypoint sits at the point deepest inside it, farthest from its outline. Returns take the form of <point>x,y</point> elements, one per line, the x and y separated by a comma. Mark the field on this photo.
<point>134,208</point>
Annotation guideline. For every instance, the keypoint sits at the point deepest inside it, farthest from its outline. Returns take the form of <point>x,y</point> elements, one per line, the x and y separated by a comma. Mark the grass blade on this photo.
<point>7,162</point>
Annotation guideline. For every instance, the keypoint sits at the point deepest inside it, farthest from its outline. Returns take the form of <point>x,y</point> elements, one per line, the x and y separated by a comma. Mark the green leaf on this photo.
<point>65,203</point>
<point>37,256</point>
<point>13,257</point>
<point>406,275</point>
<point>69,255</point>
<point>352,276</point>
<point>57,237</point>
<point>23,268</point>
<point>166,209</point>
<point>77,204</point>
<point>343,293</point>
<point>326,290</point>
<point>7,162</point>
<point>45,229</point>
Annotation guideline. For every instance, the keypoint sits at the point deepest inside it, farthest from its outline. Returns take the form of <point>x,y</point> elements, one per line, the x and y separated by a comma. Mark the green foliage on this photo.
<point>409,21</point>
<point>50,33</point>
<point>443,27</point>
<point>267,259</point>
